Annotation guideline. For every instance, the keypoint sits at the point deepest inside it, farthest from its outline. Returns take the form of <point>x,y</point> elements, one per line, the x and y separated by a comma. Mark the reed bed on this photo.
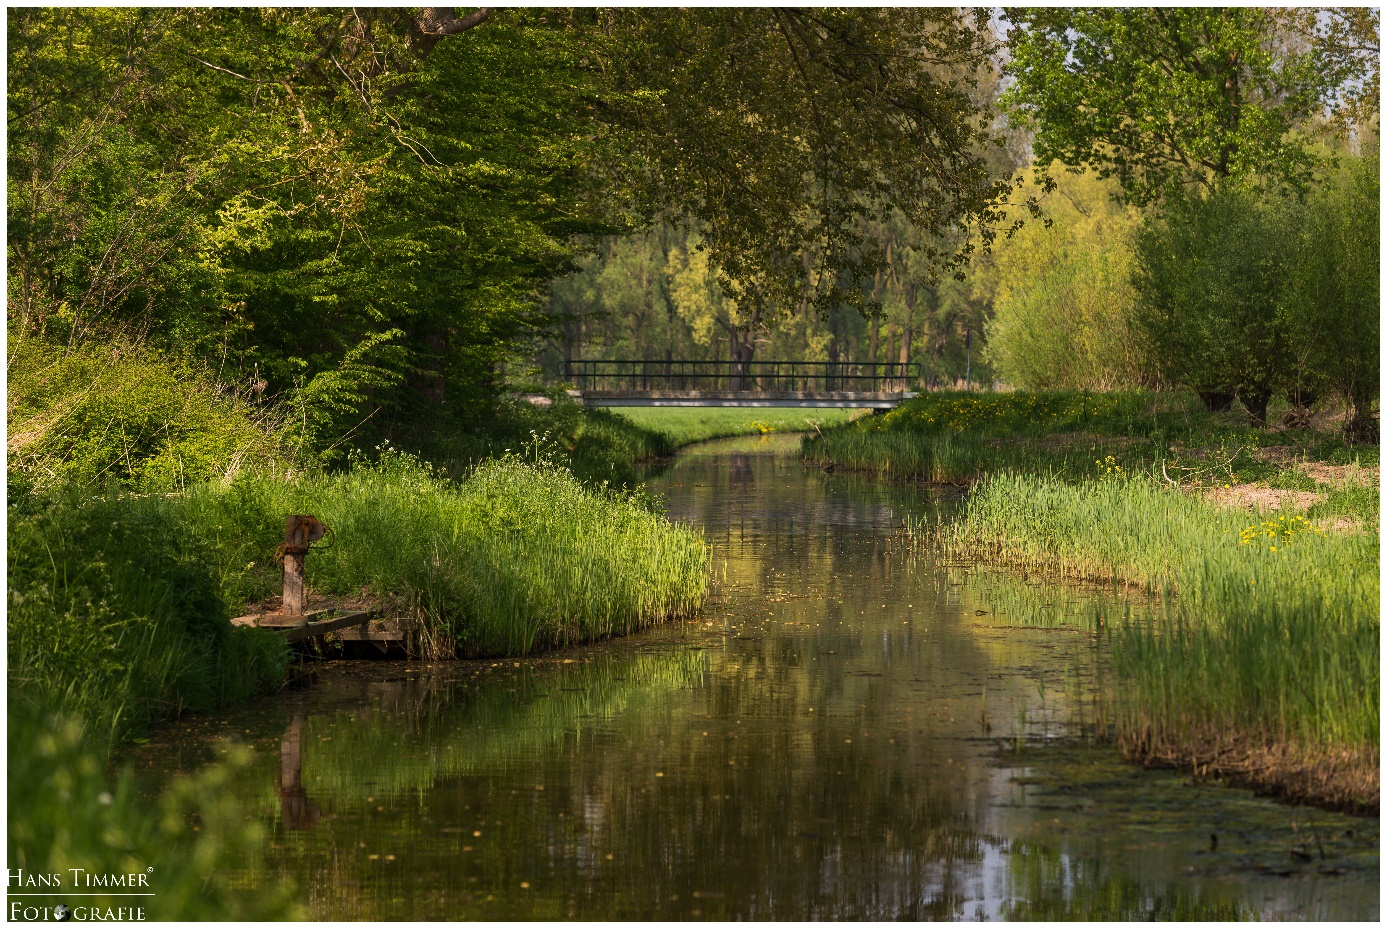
<point>1260,656</point>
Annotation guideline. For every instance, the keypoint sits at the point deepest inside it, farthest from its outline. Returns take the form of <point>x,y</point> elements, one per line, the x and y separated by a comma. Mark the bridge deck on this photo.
<point>650,382</point>
<point>839,399</point>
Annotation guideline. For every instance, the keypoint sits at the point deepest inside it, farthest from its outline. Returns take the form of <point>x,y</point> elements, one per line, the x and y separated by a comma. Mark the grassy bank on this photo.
<point>959,438</point>
<point>1258,549</point>
<point>681,426</point>
<point>1259,659</point>
<point>518,556</point>
<point>120,602</point>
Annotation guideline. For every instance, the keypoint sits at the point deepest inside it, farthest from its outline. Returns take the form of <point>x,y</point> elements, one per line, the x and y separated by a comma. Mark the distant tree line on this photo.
<point>1209,186</point>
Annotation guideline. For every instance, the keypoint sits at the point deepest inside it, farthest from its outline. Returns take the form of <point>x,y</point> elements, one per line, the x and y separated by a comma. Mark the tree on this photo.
<point>1162,96</point>
<point>1333,309</point>
<point>361,210</point>
<point>1063,307</point>
<point>1213,274</point>
<point>356,209</point>
<point>776,131</point>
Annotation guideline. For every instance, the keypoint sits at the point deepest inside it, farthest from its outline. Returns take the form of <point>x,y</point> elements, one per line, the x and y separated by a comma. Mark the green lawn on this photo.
<point>687,425</point>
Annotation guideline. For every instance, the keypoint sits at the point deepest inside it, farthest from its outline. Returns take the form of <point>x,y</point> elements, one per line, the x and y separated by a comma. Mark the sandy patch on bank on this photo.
<point>1260,497</point>
<point>1339,475</point>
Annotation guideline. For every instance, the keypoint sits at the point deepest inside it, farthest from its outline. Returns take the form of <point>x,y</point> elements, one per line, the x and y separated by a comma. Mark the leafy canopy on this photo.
<point>1155,96</point>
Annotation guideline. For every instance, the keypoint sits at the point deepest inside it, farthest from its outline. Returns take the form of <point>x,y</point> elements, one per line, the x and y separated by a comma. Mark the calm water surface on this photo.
<point>844,735</point>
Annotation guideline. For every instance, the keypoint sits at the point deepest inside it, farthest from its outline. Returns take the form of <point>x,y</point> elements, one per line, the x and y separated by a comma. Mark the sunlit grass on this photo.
<point>517,556</point>
<point>686,425</point>
<point>1265,632</point>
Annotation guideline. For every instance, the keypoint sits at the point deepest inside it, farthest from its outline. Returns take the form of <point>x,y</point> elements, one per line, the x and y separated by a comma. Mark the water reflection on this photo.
<point>296,811</point>
<point>847,734</point>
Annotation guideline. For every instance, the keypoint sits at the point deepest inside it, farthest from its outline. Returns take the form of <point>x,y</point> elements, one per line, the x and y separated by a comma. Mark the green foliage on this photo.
<point>1156,97</point>
<point>1213,274</point>
<point>115,615</point>
<point>312,196</point>
<point>361,209</point>
<point>1333,307</point>
<point>123,412</point>
<point>778,130</point>
<point>1251,293</point>
<point>64,813</point>
<point>1063,304</point>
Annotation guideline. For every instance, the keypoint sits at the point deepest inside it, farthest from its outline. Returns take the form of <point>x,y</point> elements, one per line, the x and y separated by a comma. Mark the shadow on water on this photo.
<point>845,734</point>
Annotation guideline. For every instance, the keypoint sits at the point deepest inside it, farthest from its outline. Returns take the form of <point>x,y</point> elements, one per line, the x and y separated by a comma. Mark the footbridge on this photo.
<point>668,382</point>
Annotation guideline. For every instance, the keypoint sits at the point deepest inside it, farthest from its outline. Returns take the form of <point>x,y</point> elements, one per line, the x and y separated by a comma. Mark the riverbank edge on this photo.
<point>1342,780</point>
<point>1334,778</point>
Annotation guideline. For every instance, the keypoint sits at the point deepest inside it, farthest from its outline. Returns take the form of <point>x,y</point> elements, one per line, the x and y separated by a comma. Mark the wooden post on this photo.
<point>299,531</point>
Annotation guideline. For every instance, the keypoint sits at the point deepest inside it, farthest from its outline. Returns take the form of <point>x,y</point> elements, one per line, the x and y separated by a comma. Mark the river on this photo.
<point>845,734</point>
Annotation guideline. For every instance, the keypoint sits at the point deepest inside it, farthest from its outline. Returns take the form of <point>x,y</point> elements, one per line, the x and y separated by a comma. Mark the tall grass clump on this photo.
<point>1260,656</point>
<point>114,616</point>
<point>518,556</point>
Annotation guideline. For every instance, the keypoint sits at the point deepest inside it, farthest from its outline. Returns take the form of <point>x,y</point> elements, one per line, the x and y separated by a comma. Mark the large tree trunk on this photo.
<point>1216,401</point>
<point>1256,402</point>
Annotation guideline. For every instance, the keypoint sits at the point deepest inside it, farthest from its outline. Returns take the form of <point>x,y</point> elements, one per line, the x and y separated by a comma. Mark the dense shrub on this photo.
<point>1064,303</point>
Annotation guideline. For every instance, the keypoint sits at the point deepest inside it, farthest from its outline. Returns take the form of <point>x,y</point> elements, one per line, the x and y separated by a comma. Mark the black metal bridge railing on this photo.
<point>802,376</point>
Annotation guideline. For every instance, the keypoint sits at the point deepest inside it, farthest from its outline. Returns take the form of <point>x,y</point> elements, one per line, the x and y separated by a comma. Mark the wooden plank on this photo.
<point>291,620</point>
<point>377,630</point>
<point>322,627</point>
<point>277,620</point>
